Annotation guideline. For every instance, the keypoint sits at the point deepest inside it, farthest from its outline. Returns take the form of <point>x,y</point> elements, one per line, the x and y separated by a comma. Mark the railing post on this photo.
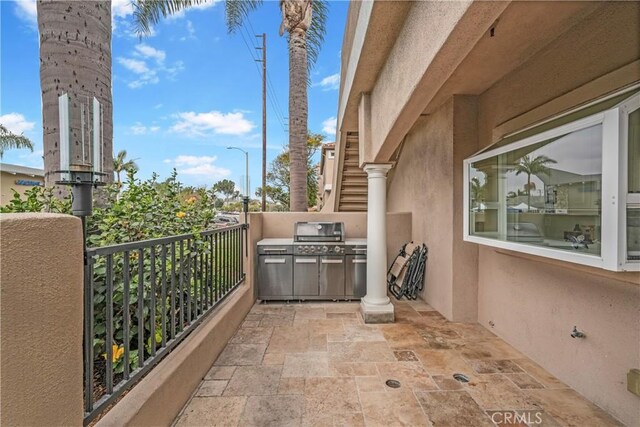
<point>41,311</point>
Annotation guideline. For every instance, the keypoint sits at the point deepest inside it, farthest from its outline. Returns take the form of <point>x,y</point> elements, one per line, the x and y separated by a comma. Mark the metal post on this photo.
<point>264,121</point>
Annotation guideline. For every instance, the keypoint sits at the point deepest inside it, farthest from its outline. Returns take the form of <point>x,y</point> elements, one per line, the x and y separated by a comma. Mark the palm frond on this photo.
<point>317,30</point>
<point>10,140</point>
<point>149,12</point>
<point>237,10</point>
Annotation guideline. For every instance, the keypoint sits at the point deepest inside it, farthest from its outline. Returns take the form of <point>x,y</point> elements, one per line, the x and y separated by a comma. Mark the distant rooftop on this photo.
<point>24,170</point>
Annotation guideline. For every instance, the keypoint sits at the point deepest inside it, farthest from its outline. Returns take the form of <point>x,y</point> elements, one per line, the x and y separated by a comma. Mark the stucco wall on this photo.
<point>41,315</point>
<point>533,302</point>
<point>427,181</point>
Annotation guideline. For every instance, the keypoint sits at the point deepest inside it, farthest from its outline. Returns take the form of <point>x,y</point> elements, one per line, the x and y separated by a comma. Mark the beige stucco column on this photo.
<point>376,306</point>
<point>41,312</point>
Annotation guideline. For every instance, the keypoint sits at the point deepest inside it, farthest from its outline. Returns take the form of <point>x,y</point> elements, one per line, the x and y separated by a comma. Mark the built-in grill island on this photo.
<point>318,263</point>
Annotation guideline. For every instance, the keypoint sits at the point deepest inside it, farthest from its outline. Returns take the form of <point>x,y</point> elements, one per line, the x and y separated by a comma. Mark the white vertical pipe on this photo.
<point>63,114</point>
<point>377,234</point>
<point>97,146</point>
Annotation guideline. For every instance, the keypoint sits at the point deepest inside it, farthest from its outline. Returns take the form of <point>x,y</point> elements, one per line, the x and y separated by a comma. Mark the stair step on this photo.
<point>353,189</point>
<point>354,199</point>
<point>350,207</point>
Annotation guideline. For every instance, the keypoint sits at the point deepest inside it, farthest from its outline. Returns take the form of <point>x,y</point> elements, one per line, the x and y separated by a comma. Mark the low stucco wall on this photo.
<point>41,313</point>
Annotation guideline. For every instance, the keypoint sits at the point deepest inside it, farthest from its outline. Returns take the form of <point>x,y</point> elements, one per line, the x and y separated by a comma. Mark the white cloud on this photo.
<point>148,63</point>
<point>140,129</point>
<point>214,122</point>
<point>147,51</point>
<point>135,65</point>
<point>26,10</point>
<point>33,160</point>
<point>121,8</point>
<point>329,126</point>
<point>191,32</point>
<point>202,167</point>
<point>201,6</point>
<point>331,82</point>
<point>155,107</point>
<point>16,123</point>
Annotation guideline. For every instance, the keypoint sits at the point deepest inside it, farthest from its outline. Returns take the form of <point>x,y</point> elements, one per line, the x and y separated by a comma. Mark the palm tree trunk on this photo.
<point>75,58</point>
<point>298,105</point>
<point>528,192</point>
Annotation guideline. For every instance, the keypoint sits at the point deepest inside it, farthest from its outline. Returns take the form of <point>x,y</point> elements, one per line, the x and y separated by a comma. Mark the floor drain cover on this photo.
<point>461,377</point>
<point>393,383</point>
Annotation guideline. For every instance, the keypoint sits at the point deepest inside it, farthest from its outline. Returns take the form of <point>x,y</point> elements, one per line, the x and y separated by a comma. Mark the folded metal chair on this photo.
<point>398,270</point>
<point>406,274</point>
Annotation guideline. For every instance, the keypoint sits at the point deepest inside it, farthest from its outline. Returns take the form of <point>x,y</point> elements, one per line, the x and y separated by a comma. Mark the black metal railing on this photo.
<point>142,298</point>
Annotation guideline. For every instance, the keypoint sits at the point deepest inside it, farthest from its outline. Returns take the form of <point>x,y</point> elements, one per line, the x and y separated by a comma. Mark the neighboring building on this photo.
<point>19,178</point>
<point>325,172</point>
<point>439,93</point>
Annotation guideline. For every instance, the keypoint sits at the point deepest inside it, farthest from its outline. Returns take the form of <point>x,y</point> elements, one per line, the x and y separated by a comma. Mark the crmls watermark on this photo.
<point>530,417</point>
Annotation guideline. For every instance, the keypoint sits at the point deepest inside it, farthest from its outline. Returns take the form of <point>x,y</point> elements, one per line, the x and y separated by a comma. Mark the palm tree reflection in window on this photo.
<point>533,166</point>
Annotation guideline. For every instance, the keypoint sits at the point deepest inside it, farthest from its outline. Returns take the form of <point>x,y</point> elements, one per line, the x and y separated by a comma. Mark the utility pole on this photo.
<point>264,119</point>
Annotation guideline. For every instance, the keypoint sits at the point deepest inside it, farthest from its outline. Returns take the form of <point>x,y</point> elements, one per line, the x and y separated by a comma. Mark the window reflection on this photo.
<point>547,194</point>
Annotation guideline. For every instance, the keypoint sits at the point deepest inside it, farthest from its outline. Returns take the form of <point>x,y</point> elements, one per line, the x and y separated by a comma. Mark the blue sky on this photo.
<point>182,95</point>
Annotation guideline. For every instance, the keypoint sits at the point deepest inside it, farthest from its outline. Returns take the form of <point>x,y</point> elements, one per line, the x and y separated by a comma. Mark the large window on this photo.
<point>571,192</point>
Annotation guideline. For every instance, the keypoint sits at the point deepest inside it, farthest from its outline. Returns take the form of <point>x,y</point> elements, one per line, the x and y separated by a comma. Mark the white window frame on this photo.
<point>614,190</point>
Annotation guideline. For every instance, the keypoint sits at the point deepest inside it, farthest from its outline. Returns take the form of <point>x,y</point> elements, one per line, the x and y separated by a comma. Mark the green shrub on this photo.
<point>133,211</point>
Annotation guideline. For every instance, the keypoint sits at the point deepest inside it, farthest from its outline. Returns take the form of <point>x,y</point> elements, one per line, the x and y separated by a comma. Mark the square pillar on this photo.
<point>376,306</point>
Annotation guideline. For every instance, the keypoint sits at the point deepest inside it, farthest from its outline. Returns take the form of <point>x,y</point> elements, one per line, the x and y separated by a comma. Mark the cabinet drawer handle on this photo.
<point>359,261</point>
<point>305,260</point>
<point>275,261</point>
<point>274,249</point>
<point>332,261</point>
<point>359,249</point>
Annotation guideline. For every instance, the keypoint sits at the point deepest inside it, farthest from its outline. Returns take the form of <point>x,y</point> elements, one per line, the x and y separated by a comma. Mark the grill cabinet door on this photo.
<point>356,286</point>
<point>275,276</point>
<point>332,276</point>
<point>305,276</point>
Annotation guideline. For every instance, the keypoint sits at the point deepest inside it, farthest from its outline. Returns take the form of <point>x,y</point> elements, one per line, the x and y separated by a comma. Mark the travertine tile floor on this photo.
<point>318,364</point>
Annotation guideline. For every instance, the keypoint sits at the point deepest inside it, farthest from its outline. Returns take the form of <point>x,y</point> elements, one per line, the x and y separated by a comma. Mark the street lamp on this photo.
<point>246,156</point>
<point>245,200</point>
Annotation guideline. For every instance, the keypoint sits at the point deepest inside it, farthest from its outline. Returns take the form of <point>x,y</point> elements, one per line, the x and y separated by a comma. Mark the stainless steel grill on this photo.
<point>318,263</point>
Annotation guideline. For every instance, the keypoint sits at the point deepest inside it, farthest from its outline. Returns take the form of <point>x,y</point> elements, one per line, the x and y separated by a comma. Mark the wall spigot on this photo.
<point>577,334</point>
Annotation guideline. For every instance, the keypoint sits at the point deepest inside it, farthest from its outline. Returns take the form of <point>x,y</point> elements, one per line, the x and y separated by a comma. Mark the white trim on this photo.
<point>627,199</point>
<point>551,133</point>
<point>574,257</point>
<point>610,200</point>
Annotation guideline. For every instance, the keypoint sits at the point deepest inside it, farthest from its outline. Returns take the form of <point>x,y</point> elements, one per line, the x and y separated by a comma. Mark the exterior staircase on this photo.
<point>353,188</point>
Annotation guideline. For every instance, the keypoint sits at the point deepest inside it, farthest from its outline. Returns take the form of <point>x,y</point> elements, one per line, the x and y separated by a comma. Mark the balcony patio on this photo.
<point>244,362</point>
<point>319,364</point>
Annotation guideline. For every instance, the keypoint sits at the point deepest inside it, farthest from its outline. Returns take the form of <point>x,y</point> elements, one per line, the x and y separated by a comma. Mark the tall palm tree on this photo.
<point>533,166</point>
<point>75,58</point>
<point>304,21</point>
<point>9,140</point>
<point>120,164</point>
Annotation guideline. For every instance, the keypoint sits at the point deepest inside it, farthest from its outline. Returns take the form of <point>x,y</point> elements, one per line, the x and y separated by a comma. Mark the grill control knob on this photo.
<point>337,249</point>
<point>312,248</point>
<point>325,249</point>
